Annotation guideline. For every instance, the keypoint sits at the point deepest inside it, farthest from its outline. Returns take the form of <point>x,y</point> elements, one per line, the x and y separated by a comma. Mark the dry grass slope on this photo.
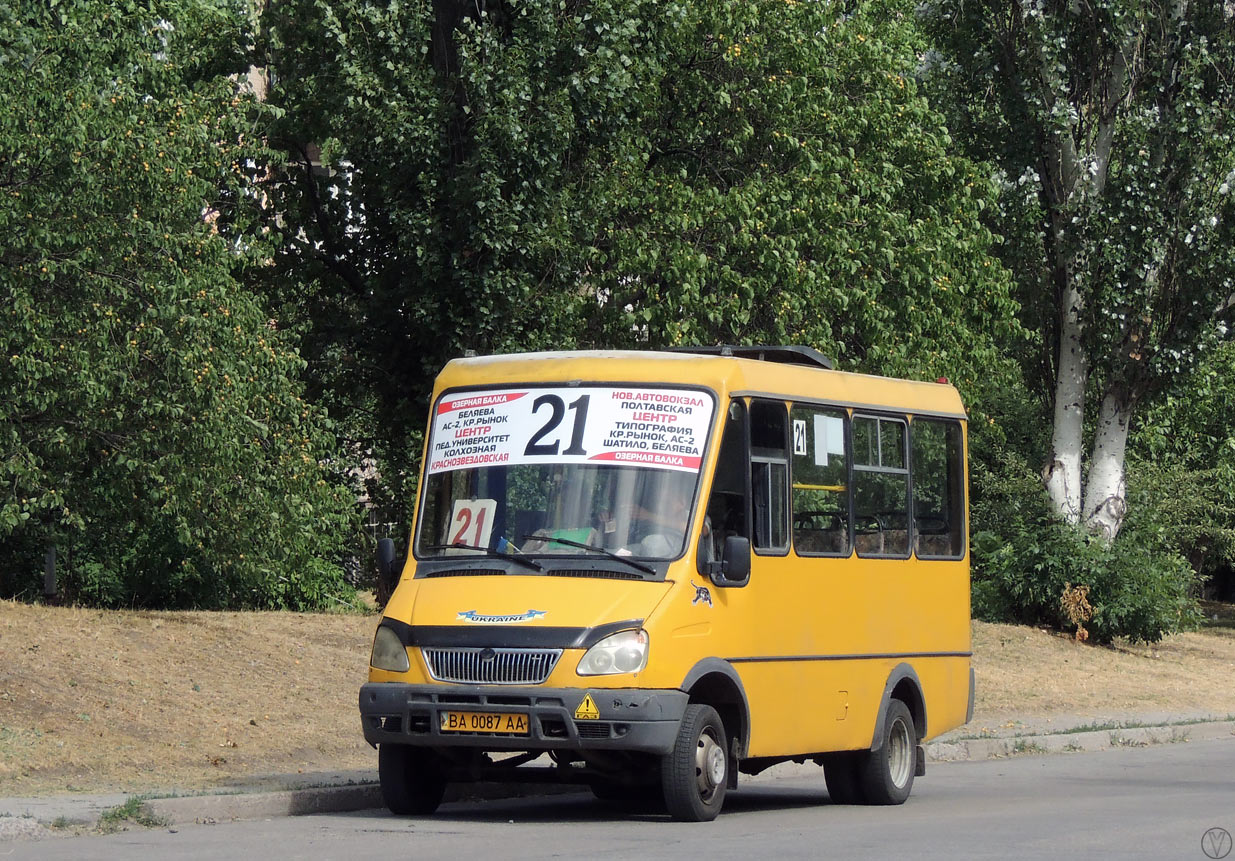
<point>1027,672</point>
<point>96,700</point>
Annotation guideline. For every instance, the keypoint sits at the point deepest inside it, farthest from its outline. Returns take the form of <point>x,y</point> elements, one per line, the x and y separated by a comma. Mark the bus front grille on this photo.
<point>474,666</point>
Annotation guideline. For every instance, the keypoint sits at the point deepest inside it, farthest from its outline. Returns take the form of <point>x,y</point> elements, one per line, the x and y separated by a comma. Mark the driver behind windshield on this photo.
<point>639,512</point>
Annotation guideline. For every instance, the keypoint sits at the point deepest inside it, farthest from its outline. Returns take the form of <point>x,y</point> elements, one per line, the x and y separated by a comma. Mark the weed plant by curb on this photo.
<point>134,812</point>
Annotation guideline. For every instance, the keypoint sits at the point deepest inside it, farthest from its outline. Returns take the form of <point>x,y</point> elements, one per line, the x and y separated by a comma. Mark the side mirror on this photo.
<point>734,566</point>
<point>387,571</point>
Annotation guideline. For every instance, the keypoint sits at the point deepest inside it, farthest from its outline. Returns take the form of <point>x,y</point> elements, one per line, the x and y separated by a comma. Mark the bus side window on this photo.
<point>880,486</point>
<point>820,481</point>
<point>727,507</point>
<point>938,488</point>
<point>769,476</point>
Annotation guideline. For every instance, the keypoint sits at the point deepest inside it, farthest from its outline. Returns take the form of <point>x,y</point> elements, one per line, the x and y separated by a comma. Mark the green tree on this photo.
<point>518,175</point>
<point>1185,460</point>
<point>1111,124</point>
<point>152,424</point>
<point>797,188</point>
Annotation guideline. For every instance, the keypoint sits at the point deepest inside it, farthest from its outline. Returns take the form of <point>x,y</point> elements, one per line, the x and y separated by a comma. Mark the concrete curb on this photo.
<point>263,805</point>
<point>1068,742</point>
<point>343,792</point>
<point>303,801</point>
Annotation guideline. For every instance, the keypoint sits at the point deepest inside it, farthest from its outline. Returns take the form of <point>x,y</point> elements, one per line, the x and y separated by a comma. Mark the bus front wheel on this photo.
<point>413,779</point>
<point>694,775</point>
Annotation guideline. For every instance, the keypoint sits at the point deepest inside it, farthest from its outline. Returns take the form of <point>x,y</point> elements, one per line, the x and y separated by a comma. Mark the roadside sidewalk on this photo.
<point>335,792</point>
<point>1070,733</point>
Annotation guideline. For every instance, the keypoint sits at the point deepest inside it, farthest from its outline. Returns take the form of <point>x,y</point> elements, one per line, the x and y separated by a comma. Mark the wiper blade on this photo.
<point>602,550</point>
<point>489,551</point>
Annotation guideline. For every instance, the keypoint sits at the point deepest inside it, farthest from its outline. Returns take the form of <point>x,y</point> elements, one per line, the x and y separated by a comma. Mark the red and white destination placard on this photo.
<point>625,425</point>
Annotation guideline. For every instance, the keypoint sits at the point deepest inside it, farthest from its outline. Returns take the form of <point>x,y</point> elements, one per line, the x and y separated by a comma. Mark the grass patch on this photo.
<point>1118,725</point>
<point>13,739</point>
<point>1025,747</point>
<point>1105,726</point>
<point>132,812</point>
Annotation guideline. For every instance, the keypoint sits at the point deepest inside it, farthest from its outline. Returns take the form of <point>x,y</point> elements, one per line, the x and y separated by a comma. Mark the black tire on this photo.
<point>886,775</point>
<point>840,772</point>
<point>413,779</point>
<point>695,774</point>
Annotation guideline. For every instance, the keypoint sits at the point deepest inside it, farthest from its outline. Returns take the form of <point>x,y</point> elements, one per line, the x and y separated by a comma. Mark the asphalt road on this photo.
<point>1153,803</point>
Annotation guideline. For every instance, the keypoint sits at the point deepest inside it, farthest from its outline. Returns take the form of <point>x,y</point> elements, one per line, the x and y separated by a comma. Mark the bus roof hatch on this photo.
<point>785,354</point>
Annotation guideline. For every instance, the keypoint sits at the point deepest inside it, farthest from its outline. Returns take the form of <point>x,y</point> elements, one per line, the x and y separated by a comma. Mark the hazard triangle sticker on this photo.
<point>587,709</point>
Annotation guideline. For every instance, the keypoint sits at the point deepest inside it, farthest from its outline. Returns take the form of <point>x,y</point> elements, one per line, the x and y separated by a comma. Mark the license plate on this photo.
<point>506,724</point>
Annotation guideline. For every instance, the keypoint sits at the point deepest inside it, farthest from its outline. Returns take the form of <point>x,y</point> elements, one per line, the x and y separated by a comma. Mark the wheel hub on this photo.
<point>901,754</point>
<point>709,766</point>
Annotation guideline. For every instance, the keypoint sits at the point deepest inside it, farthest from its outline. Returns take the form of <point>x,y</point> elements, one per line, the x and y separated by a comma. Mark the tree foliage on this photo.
<point>1185,458</point>
<point>151,426</point>
<point>516,175</point>
<point>1110,122</point>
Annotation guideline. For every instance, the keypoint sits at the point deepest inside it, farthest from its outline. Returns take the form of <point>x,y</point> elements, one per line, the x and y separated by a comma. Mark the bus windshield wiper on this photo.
<point>603,551</point>
<point>489,551</point>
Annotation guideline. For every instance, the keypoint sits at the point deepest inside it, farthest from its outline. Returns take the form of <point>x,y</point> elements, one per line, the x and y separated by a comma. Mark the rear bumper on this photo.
<point>629,719</point>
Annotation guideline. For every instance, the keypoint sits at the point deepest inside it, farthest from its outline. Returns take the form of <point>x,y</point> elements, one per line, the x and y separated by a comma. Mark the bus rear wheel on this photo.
<point>413,779</point>
<point>885,776</point>
<point>695,774</point>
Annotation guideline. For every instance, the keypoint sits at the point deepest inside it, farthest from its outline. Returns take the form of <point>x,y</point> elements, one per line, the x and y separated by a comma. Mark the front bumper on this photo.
<point>629,719</point>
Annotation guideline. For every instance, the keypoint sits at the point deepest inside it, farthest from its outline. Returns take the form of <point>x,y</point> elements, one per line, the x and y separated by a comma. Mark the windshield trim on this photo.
<point>571,560</point>
<point>552,565</point>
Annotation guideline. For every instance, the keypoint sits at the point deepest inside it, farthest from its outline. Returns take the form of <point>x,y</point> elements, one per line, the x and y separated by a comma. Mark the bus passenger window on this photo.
<point>938,489</point>
<point>769,475</point>
<point>820,482</point>
<point>880,487</point>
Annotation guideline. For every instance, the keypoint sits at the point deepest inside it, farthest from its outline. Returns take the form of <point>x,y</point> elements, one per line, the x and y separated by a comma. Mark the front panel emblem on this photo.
<point>483,619</point>
<point>701,594</point>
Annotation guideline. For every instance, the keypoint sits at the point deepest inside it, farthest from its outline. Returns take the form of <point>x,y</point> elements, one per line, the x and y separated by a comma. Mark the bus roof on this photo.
<point>726,375</point>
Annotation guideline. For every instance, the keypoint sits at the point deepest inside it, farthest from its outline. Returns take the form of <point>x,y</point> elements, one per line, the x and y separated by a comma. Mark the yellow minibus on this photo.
<point>648,572</point>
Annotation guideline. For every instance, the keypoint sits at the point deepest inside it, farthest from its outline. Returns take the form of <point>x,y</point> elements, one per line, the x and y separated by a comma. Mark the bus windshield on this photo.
<point>607,470</point>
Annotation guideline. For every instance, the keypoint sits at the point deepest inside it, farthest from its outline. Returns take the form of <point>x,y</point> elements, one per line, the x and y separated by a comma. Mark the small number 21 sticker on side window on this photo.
<point>799,437</point>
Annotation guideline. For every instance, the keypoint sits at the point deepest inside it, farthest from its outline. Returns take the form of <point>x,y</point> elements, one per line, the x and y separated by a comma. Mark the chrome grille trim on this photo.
<point>506,666</point>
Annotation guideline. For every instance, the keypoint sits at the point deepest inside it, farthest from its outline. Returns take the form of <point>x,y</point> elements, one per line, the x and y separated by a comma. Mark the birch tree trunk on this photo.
<point>1062,474</point>
<point>1132,282</point>
<point>1105,492</point>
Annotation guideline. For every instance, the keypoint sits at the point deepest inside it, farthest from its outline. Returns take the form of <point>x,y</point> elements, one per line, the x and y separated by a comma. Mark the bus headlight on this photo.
<point>389,652</point>
<point>623,652</point>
